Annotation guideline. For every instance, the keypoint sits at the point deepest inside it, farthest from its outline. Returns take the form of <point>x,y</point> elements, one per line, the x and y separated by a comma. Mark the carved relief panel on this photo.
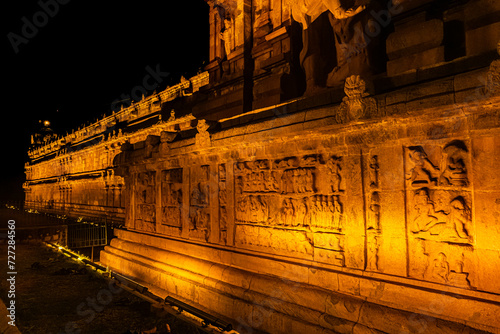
<point>199,209</point>
<point>283,200</point>
<point>171,197</point>
<point>440,229</point>
<point>145,201</point>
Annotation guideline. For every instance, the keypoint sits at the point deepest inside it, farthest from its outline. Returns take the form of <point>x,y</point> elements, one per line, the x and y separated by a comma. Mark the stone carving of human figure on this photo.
<point>420,260</point>
<point>222,172</point>
<point>337,214</point>
<point>227,35</point>
<point>306,11</point>
<point>172,116</point>
<point>309,180</point>
<point>202,138</point>
<point>324,213</point>
<point>196,220</point>
<point>301,214</point>
<point>458,218</point>
<point>302,180</point>
<point>440,268</point>
<point>453,170</point>
<point>315,212</point>
<point>426,215</point>
<point>287,212</point>
<point>312,57</point>
<point>421,173</point>
<point>335,178</point>
<point>199,195</point>
<point>241,209</point>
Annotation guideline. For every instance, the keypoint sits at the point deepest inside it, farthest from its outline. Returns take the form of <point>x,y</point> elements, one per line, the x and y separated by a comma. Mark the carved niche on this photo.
<point>145,199</point>
<point>439,212</point>
<point>283,204</point>
<point>199,209</point>
<point>171,197</point>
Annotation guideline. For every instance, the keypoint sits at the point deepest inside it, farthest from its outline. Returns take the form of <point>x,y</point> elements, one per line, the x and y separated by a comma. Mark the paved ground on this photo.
<point>57,295</point>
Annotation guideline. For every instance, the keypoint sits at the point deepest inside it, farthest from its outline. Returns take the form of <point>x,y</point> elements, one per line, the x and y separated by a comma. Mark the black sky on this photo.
<point>83,58</point>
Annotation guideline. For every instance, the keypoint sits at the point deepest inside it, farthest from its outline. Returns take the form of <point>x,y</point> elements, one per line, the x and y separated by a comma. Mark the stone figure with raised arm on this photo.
<point>349,52</point>
<point>312,58</point>
<point>306,11</point>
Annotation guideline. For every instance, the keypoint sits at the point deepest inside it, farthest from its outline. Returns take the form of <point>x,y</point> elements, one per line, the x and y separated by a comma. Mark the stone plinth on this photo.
<point>366,216</point>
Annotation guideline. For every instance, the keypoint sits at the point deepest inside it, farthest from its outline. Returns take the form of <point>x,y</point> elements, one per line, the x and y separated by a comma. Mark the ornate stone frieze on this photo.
<point>286,194</point>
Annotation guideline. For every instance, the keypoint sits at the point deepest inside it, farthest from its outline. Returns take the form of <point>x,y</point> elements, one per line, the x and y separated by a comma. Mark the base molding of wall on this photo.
<point>304,300</point>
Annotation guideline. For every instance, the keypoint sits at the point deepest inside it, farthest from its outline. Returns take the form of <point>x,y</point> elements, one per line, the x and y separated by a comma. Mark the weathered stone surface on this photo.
<point>414,39</point>
<point>482,39</point>
<point>361,209</point>
<point>415,61</point>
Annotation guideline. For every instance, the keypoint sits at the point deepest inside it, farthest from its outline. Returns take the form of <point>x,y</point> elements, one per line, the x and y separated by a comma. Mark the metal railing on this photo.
<point>71,232</point>
<point>87,234</point>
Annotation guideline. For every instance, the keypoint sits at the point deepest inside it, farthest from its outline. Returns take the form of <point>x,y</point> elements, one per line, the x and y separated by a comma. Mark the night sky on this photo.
<point>84,56</point>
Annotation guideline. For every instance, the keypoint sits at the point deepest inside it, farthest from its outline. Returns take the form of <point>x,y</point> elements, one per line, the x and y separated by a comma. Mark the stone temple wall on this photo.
<point>378,214</point>
<point>334,170</point>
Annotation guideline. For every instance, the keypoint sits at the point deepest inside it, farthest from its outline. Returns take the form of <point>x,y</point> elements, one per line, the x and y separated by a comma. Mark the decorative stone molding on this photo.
<point>356,104</point>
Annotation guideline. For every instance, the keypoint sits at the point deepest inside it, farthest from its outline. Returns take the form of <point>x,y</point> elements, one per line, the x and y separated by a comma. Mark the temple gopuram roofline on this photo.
<point>147,106</point>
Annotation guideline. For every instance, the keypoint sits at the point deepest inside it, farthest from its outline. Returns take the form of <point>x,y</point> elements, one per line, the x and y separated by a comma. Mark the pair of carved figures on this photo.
<point>335,41</point>
<point>453,171</point>
<point>448,216</point>
<point>448,223</point>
